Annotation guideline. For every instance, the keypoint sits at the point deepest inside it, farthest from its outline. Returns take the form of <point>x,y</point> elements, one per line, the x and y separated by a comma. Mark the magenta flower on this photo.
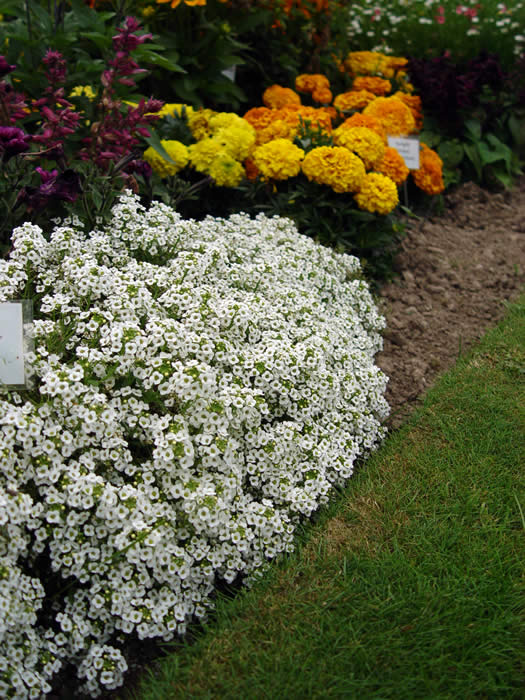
<point>55,187</point>
<point>5,68</point>
<point>13,141</point>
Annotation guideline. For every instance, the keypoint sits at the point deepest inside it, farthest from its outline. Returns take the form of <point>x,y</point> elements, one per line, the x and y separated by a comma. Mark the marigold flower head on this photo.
<point>203,153</point>
<point>252,171</point>
<point>364,142</point>
<point>309,82</point>
<point>394,115</point>
<point>377,194</point>
<point>259,117</point>
<point>176,150</point>
<point>277,96</point>
<point>353,100</point>
<point>413,102</point>
<point>429,176</point>
<point>322,95</point>
<point>394,166</point>
<point>199,123</point>
<point>226,171</point>
<point>364,62</point>
<point>371,83</point>
<point>334,166</point>
<point>278,129</point>
<point>279,159</point>
<point>175,109</point>
<point>359,119</point>
<point>236,140</point>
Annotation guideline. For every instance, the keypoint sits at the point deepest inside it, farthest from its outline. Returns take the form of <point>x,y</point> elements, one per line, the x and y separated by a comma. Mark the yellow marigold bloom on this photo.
<point>362,141</point>
<point>199,123</point>
<point>429,176</point>
<point>393,165</point>
<point>277,96</point>
<point>359,119</point>
<point>379,86</point>
<point>259,117</point>
<point>148,11</point>
<point>237,140</point>
<point>334,166</point>
<point>226,171</point>
<point>203,153</point>
<point>413,102</point>
<point>394,115</point>
<point>322,95</point>
<point>172,109</point>
<point>358,99</point>
<point>378,194</point>
<point>279,159</point>
<point>309,82</point>
<point>176,150</point>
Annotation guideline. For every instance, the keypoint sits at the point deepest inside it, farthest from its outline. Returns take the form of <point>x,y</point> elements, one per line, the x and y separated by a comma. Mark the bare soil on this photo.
<point>456,271</point>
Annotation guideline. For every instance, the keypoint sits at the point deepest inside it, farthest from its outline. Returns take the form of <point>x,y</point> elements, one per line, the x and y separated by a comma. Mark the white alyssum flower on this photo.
<point>198,388</point>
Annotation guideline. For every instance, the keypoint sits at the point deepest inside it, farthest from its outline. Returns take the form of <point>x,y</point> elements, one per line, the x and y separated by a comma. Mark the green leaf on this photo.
<point>474,157</point>
<point>517,129</point>
<point>451,153</point>
<point>431,138</point>
<point>155,143</point>
<point>473,128</point>
<point>161,62</point>
<point>505,179</point>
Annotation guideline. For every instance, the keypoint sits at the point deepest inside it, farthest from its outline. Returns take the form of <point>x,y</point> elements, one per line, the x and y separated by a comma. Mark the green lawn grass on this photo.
<point>411,583</point>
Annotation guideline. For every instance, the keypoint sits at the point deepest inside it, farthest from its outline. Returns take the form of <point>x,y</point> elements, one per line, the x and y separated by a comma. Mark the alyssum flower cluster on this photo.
<point>198,388</point>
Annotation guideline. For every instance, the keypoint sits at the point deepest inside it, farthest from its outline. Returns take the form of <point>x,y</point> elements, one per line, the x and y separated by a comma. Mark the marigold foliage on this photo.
<point>378,194</point>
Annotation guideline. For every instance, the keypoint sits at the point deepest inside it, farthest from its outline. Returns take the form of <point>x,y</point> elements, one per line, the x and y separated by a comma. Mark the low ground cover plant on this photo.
<point>198,388</point>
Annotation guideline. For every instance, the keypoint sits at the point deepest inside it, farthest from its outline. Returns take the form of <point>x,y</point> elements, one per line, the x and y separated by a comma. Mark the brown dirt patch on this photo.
<point>456,271</point>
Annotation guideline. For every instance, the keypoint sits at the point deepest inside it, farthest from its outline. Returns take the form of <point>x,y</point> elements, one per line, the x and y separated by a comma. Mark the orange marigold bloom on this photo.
<point>308,82</point>
<point>277,129</point>
<point>277,96</point>
<point>322,95</point>
<point>252,171</point>
<point>413,102</point>
<point>394,115</point>
<point>259,117</point>
<point>429,176</point>
<point>348,101</point>
<point>393,165</point>
<point>293,114</point>
<point>379,86</point>
<point>359,119</point>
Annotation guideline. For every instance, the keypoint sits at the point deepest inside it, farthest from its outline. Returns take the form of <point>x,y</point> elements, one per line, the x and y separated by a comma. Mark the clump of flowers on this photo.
<point>353,100</point>
<point>199,388</point>
<point>371,83</point>
<point>316,85</point>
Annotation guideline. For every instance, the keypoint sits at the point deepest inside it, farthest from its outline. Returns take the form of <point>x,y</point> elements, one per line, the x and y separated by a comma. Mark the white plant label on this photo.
<point>408,149</point>
<point>12,370</point>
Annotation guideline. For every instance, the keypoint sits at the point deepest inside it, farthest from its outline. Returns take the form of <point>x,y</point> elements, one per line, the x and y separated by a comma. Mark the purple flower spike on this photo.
<point>12,141</point>
<point>5,68</point>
